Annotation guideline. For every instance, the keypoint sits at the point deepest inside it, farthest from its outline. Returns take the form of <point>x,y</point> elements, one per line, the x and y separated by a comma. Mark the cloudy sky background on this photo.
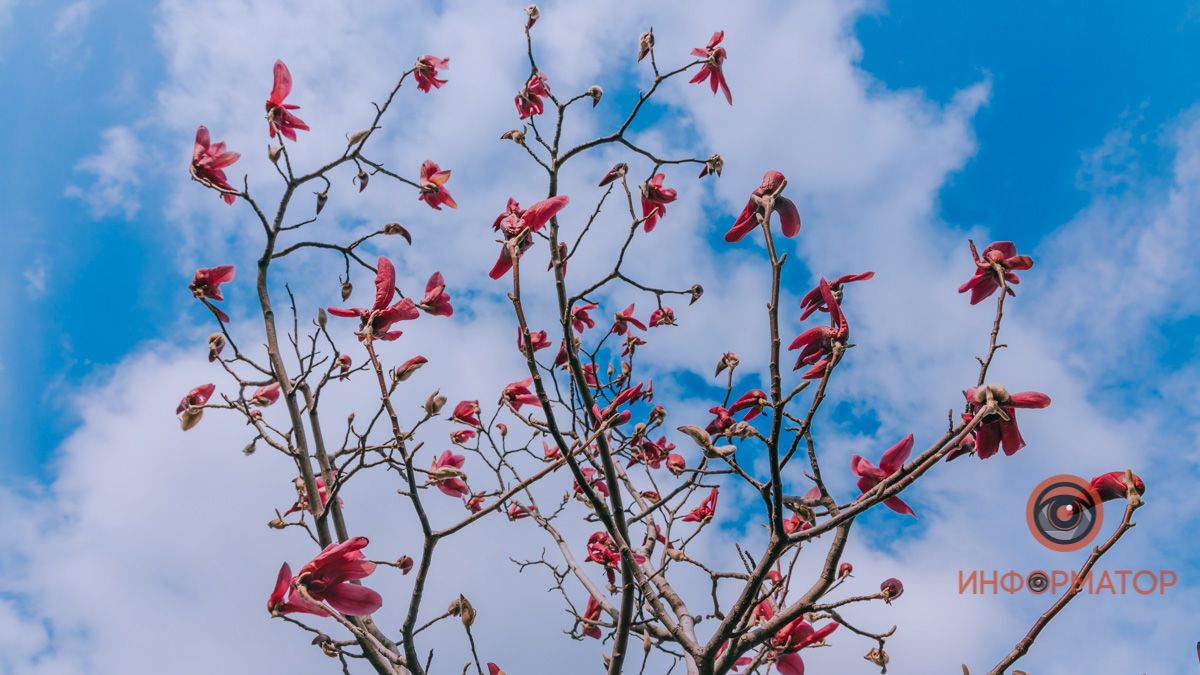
<point>133,548</point>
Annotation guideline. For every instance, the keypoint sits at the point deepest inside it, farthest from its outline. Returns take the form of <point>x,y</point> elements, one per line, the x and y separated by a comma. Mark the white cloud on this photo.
<point>115,172</point>
<point>67,33</point>
<point>864,163</point>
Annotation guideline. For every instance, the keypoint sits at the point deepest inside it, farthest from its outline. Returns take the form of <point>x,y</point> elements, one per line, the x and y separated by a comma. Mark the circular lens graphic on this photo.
<point>1064,513</point>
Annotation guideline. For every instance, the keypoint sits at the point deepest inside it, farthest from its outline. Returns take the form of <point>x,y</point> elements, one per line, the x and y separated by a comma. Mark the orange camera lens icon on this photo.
<point>1064,513</point>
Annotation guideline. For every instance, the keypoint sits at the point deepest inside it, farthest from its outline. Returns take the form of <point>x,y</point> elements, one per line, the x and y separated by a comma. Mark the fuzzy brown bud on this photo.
<point>645,44</point>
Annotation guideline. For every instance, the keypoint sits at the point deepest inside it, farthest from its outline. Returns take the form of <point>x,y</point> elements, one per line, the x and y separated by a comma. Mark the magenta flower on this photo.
<point>344,362</point>
<point>721,422</point>
<point>818,342</point>
<point>279,116</point>
<point>593,478</point>
<point>265,396</point>
<point>793,637</point>
<point>301,503</point>
<point>327,578</point>
<point>892,461</point>
<point>752,401</point>
<point>580,319</point>
<point>999,429</point>
<point>602,550</point>
<point>433,186</point>
<point>517,226</point>
<point>1112,485</point>
<point>285,600</point>
<point>379,317</point>
<point>436,300</point>
<point>676,464</point>
<point>711,70</point>
<point>539,339</point>
<point>652,453</point>
<point>447,475</point>
<point>655,198</point>
<point>624,320</point>
<point>518,511</point>
<point>426,72</point>
<point>891,589</point>
<point>614,173</point>
<point>663,316</point>
<point>466,412</point>
<point>772,185</point>
<point>518,394</point>
<point>995,266</point>
<point>813,300</point>
<point>206,286</point>
<point>591,618</point>
<point>706,510</point>
<point>208,164</point>
<point>529,100</point>
<point>191,408</point>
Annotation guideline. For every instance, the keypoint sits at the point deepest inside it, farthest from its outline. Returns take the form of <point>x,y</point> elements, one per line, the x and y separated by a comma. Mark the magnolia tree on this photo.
<point>584,414</point>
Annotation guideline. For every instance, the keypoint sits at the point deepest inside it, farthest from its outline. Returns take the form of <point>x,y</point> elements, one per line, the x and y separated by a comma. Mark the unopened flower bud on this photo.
<point>273,153</point>
<point>645,44</point>
<point>503,429</point>
<point>216,342</point>
<point>891,589</point>
<point>361,180</point>
<point>406,369</point>
<point>532,15</point>
<point>277,524</point>
<point>696,291</point>
<point>405,563</point>
<point>878,657</point>
<point>700,436</point>
<point>675,554</point>
<point>357,137</point>
<point>322,318</point>
<point>596,93</point>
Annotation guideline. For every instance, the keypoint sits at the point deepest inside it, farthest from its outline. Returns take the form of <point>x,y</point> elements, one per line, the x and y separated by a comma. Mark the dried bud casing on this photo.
<point>700,436</point>
<point>463,609</point>
<point>697,290</point>
<point>645,44</point>
<point>322,197</point>
<point>361,180</point>
<point>273,153</point>
<point>216,343</point>
<point>190,418</point>
<point>322,318</point>
<point>532,14</point>
<point>596,93</point>
<point>397,228</point>
<point>357,137</point>
<point>435,403</point>
<point>277,524</point>
<point>514,135</point>
<point>347,289</point>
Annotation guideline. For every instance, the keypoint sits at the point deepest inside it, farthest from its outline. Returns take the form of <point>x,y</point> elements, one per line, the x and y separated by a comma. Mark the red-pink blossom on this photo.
<point>551,452</point>
<point>818,342</point>
<point>593,478</point>
<point>892,461</point>
<point>405,563</point>
<point>517,225</point>
<point>793,637</point>
<point>580,319</point>
<point>406,369</point>
<point>433,186</point>
<point>265,396</point>
<point>474,503</point>
<point>891,589</point>
<point>426,72</point>
<point>529,100</point>
<point>1112,485</point>
<point>997,263</point>
<point>208,164</point>
<point>632,342</point>
<point>752,401</point>
<point>591,617</point>
<point>813,300</point>
<point>773,183</point>
<point>655,198</point>
<point>518,511</point>
<point>518,394</point>
<point>538,339</point>
<point>652,453</point>
<point>461,436</point>
<point>327,578</point>
<point>344,362</point>
<point>602,550</point>
<point>301,503</point>
<point>379,317</point>
<point>436,300</point>
<point>712,71</point>
<point>446,474</point>
<point>721,422</point>
<point>614,173</point>
<point>206,286</point>
<point>196,398</point>
<point>995,431</point>
<point>466,412</point>
<point>285,600</point>
<point>279,115</point>
<point>845,570</point>
<point>663,316</point>
<point>676,464</point>
<point>706,510</point>
<point>624,319</point>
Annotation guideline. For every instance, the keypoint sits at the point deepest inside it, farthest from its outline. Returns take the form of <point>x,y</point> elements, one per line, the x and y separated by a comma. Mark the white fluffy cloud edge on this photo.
<point>148,552</point>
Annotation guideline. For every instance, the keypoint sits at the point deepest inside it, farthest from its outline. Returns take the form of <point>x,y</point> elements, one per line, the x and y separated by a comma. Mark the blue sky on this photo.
<point>1067,127</point>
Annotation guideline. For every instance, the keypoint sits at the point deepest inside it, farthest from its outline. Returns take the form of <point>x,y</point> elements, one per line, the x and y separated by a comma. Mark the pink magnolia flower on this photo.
<point>793,637</point>
<point>614,174</point>
<point>436,300</point>
<point>461,436</point>
<point>466,412</point>
<point>655,198</point>
<point>818,342</point>
<point>995,431</point>
<point>517,226</point>
<point>208,164</point>
<point>591,617</point>
<point>711,70</point>
<point>327,578</point>
<point>652,453</point>
<point>752,401</point>
<point>279,116</point>
<point>997,263</point>
<point>737,664</point>
<point>845,570</point>
<point>191,408</point>
<point>529,100</point>
<point>379,317</point>
<point>632,342</point>
<point>721,422</point>
<point>285,600</point>
<point>891,589</point>
<point>594,479</point>
<point>773,183</point>
<point>344,363</point>
<point>892,461</point>
<point>406,369</point>
<point>624,320</point>
<point>1112,485</point>
<point>602,550</point>
<point>265,396</point>
<point>706,510</point>
<point>206,286</point>
<point>405,563</point>
<point>446,474</point>
<point>302,503</point>
<point>518,511</point>
<point>663,316</point>
<point>426,72</point>
<point>562,357</point>
<point>551,452</point>
<point>518,394</point>
<point>676,464</point>
<point>813,300</point>
<point>474,503</point>
<point>538,339</point>
<point>580,319</point>
<point>433,186</point>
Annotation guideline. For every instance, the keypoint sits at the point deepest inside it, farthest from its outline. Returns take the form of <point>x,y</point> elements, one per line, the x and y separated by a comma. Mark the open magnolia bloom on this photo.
<point>753,213</point>
<point>711,71</point>
<point>380,316</point>
<point>999,428</point>
<point>279,114</point>
<point>995,266</point>
<point>892,461</point>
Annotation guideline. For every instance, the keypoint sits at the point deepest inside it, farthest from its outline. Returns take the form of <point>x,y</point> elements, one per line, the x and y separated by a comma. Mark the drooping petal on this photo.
<point>789,216</point>
<point>385,284</point>
<point>353,600</point>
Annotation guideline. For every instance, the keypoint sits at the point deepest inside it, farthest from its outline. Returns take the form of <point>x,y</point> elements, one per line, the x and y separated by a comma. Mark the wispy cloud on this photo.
<point>115,172</point>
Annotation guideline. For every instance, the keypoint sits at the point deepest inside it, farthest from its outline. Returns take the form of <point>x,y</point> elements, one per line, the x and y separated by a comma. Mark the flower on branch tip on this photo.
<point>379,317</point>
<point>208,164</point>
<point>1112,485</point>
<point>216,343</point>
<point>433,186</point>
<point>436,300</point>
<point>302,503</point>
<point>999,429</point>
<point>529,99</point>
<point>265,396</point>
<point>328,577</point>
<point>766,194</point>
<point>593,478</point>
<point>466,412</point>
<point>793,637</point>
<point>284,599</point>
<point>993,269</point>
<point>892,461</point>
<point>663,316</point>
<point>538,339</point>
<point>752,401</point>
<point>591,618</point>
<point>845,570</point>
<point>652,453</point>
<point>614,174</point>
<point>820,343</point>
<point>406,369</point>
<point>206,286</point>
<point>518,394</point>
<point>518,511</point>
<point>191,408</point>
<point>721,422</point>
<point>713,165</point>
<point>645,44</point>
<point>624,319</point>
<point>655,198</point>
<point>706,510</point>
<point>344,363</point>
<point>517,225</point>
<point>676,464</point>
<point>426,72</point>
<point>580,319</point>
<point>279,116</point>
<point>891,589</point>
<point>461,436</point>
<point>602,550</point>
<point>712,69</point>
<point>814,301</point>
<point>446,474</point>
